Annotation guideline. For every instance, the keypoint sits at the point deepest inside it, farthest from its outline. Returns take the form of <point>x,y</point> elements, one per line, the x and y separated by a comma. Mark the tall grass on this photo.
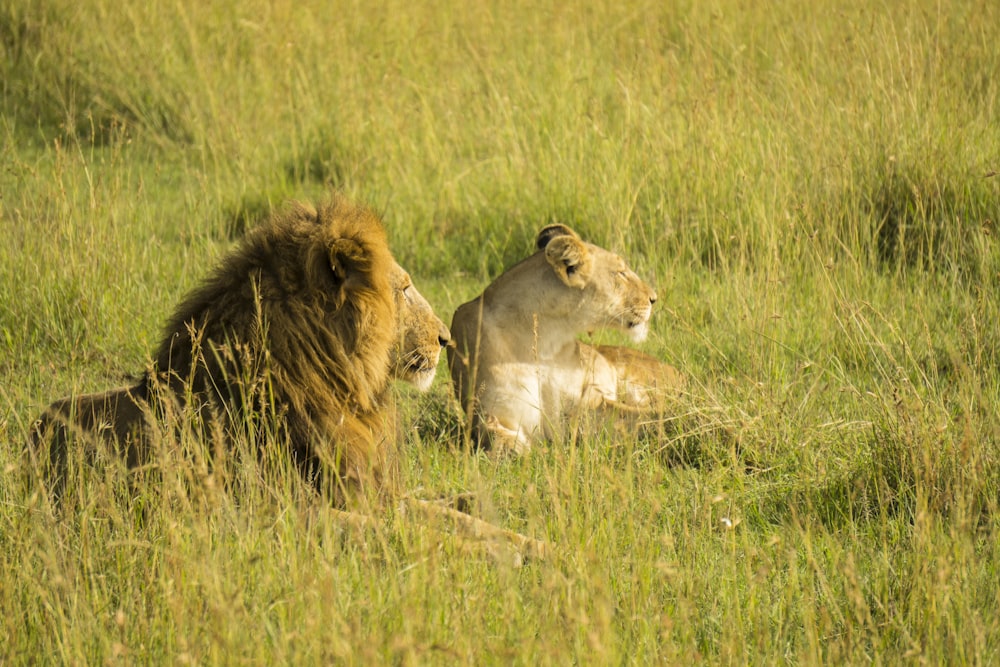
<point>811,186</point>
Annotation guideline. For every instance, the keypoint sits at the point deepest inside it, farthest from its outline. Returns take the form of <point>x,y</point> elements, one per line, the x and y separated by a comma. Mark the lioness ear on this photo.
<point>550,232</point>
<point>569,259</point>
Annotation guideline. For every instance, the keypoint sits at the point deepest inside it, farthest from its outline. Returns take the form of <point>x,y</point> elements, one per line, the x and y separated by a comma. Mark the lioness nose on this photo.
<point>444,336</point>
<point>652,298</point>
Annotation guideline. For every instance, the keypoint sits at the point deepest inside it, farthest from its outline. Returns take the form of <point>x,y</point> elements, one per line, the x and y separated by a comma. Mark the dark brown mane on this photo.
<point>306,300</point>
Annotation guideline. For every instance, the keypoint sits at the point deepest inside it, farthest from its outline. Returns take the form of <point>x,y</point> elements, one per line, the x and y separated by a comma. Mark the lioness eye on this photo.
<point>406,293</point>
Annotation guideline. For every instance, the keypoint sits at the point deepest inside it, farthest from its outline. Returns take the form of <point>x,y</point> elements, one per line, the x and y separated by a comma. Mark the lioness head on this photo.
<point>613,292</point>
<point>420,334</point>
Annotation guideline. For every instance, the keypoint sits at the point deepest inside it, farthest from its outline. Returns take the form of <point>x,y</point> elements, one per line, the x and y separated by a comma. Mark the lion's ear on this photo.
<point>347,256</point>
<point>550,232</point>
<point>570,260</point>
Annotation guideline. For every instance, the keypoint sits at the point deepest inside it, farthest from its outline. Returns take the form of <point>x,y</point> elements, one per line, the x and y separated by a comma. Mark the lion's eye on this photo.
<point>408,293</point>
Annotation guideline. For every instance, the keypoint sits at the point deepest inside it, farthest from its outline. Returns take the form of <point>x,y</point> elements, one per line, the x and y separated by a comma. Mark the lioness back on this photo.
<point>642,378</point>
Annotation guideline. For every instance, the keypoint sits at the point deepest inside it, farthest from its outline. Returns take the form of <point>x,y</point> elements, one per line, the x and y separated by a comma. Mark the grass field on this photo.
<point>812,187</point>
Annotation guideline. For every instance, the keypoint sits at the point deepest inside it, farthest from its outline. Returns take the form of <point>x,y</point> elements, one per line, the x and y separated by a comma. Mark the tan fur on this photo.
<point>517,366</point>
<point>642,378</point>
<point>308,319</point>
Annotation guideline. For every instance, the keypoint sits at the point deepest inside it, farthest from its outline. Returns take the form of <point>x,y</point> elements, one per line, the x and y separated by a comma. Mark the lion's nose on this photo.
<point>652,298</point>
<point>444,336</point>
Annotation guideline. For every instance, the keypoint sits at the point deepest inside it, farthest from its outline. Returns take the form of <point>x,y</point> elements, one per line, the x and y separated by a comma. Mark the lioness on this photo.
<point>517,366</point>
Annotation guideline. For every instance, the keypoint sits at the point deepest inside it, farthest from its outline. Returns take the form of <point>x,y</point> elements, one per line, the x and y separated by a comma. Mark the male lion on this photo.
<point>307,320</point>
<point>517,366</point>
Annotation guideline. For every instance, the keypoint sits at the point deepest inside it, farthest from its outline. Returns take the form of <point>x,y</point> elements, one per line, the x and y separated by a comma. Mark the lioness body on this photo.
<point>642,378</point>
<point>517,366</point>
<point>307,321</point>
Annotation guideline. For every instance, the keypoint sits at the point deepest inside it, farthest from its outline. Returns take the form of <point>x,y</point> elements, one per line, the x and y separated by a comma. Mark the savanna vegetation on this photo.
<point>811,186</point>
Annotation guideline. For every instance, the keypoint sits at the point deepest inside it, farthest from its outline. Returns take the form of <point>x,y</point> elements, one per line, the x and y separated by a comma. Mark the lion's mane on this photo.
<point>300,317</point>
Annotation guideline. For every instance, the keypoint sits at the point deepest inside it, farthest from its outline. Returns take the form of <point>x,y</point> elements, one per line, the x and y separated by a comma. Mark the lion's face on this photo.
<point>601,285</point>
<point>420,334</point>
